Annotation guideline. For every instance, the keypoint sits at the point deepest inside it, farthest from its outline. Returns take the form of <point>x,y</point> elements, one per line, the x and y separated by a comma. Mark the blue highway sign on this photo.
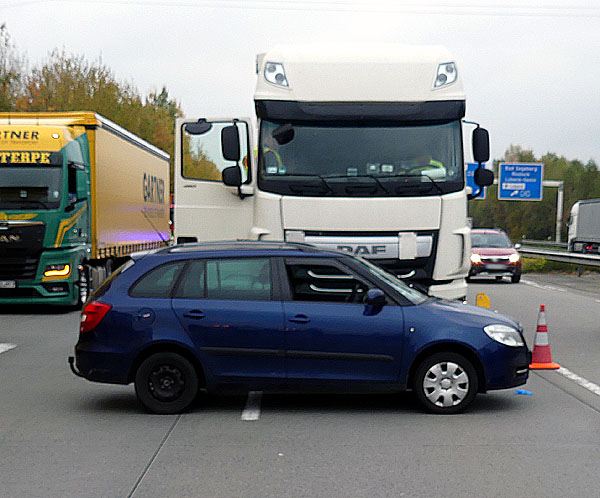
<point>520,182</point>
<point>471,167</point>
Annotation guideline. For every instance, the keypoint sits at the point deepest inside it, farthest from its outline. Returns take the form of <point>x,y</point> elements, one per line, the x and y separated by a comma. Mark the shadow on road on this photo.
<point>405,402</point>
<point>35,309</point>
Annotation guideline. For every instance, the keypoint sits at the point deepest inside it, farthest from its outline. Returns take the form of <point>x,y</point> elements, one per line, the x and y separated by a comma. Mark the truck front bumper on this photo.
<point>60,291</point>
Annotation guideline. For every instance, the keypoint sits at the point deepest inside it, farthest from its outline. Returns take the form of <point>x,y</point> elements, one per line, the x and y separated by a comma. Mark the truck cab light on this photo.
<point>57,271</point>
<point>446,74</point>
<point>274,73</point>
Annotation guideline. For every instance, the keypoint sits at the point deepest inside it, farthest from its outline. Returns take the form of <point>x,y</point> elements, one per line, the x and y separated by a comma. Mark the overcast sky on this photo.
<point>531,69</point>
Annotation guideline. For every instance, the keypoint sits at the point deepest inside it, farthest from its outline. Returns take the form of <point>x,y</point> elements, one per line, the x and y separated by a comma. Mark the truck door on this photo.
<point>204,207</point>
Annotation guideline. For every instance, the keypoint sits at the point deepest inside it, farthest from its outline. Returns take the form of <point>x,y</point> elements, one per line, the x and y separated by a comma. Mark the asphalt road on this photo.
<point>61,436</point>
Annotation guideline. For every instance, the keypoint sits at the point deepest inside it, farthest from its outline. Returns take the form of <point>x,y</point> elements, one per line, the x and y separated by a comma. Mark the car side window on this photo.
<point>324,283</point>
<point>158,282</point>
<point>233,279</point>
<point>193,282</point>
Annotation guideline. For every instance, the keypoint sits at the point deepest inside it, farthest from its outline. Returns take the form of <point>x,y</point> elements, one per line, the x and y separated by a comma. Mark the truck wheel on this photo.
<point>166,383</point>
<point>445,383</point>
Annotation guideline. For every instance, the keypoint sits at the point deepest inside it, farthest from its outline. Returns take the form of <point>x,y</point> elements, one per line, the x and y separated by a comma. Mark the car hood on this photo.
<point>468,315</point>
<point>494,251</point>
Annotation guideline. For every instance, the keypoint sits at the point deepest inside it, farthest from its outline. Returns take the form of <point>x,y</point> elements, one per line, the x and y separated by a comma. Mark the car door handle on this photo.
<point>299,319</point>
<point>194,314</point>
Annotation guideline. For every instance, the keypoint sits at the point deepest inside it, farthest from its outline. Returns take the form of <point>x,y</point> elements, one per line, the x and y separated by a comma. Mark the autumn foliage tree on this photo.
<point>69,82</point>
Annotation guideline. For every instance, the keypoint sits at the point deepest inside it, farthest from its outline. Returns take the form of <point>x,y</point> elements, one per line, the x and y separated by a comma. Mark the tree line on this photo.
<point>69,82</point>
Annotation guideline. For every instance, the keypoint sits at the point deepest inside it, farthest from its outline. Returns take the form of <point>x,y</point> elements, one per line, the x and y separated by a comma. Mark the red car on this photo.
<point>493,255</point>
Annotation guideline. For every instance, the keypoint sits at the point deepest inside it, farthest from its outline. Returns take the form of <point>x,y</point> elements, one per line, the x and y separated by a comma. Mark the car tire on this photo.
<point>515,278</point>
<point>166,383</point>
<point>445,383</point>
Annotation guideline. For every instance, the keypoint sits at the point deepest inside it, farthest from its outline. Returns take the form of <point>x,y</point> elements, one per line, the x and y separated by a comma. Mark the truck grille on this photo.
<point>18,267</point>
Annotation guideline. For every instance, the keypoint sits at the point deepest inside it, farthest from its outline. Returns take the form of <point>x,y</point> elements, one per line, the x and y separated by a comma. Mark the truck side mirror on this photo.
<point>230,143</point>
<point>481,145</point>
<point>483,177</point>
<point>232,176</point>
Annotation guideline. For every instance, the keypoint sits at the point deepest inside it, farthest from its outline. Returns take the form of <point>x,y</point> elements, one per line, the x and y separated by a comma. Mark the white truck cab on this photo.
<point>359,149</point>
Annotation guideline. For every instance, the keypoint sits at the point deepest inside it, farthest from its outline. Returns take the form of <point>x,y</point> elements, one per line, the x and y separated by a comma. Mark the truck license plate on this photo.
<point>8,284</point>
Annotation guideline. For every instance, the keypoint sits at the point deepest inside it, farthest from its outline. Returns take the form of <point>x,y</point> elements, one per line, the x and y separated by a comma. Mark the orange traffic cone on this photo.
<point>542,355</point>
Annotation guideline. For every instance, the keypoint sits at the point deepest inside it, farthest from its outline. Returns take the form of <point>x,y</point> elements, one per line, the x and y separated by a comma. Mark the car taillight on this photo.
<point>92,315</point>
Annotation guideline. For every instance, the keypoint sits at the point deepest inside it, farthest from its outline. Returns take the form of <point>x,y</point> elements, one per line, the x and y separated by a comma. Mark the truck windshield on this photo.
<point>359,160</point>
<point>30,187</point>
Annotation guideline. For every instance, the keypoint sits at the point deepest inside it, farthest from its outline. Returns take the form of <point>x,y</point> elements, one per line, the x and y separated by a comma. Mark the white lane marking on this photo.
<point>6,346</point>
<point>252,409</point>
<point>586,384</point>
<point>543,286</point>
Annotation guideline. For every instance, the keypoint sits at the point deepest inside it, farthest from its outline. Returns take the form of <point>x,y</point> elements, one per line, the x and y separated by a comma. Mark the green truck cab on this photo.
<point>78,194</point>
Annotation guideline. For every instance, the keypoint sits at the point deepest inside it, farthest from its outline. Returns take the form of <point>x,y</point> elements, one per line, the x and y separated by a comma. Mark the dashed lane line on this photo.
<point>6,346</point>
<point>586,384</point>
<point>252,410</point>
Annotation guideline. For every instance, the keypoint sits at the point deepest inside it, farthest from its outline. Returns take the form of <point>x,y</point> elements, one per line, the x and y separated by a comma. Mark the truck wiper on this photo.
<point>19,201</point>
<point>372,177</point>
<point>321,178</point>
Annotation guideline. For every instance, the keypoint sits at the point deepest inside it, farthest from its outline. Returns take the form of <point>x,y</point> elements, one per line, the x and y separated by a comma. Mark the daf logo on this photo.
<point>358,250</point>
<point>9,239</point>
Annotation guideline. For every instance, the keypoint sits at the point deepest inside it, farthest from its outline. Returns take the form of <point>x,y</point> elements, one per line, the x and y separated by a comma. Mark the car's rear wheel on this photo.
<point>166,383</point>
<point>445,383</point>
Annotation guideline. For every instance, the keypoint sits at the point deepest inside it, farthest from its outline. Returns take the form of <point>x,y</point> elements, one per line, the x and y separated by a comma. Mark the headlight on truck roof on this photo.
<point>274,73</point>
<point>446,74</point>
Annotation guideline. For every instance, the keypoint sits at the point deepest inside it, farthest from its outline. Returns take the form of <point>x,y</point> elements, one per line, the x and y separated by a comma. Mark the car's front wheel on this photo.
<point>445,383</point>
<point>166,383</point>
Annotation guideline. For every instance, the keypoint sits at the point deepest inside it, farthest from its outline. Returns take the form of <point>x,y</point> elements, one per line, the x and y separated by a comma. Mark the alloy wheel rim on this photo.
<point>446,384</point>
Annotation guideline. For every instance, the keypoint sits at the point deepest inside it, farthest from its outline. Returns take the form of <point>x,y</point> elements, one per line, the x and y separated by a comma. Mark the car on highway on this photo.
<point>270,316</point>
<point>493,255</point>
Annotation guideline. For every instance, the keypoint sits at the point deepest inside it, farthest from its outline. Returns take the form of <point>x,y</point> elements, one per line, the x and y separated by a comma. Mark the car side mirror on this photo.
<point>375,298</point>
<point>232,176</point>
<point>518,246</point>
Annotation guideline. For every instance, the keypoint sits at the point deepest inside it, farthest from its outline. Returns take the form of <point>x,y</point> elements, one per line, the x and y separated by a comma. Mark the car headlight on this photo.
<point>475,258</point>
<point>514,258</point>
<point>509,336</point>
<point>57,271</point>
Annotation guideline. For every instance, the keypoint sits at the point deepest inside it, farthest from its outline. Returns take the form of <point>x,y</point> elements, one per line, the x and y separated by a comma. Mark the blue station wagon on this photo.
<point>239,316</point>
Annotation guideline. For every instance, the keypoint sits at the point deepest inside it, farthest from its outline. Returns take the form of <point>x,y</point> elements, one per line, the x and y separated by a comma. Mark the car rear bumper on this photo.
<point>101,366</point>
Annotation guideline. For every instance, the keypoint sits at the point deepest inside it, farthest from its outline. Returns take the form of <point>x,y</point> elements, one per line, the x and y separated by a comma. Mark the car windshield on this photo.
<point>413,295</point>
<point>495,240</point>
<point>30,187</point>
<point>360,160</point>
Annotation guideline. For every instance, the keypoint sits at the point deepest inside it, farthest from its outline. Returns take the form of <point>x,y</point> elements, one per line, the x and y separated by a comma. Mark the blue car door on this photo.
<point>234,318</point>
<point>331,335</point>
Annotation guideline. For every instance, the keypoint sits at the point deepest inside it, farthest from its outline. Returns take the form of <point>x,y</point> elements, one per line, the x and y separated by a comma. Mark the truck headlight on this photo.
<point>509,336</point>
<point>57,271</point>
<point>274,73</point>
<point>475,258</point>
<point>514,258</point>
<point>446,74</point>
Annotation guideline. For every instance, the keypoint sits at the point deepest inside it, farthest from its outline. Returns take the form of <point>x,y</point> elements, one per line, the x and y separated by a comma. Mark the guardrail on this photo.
<point>563,256</point>
<point>549,243</point>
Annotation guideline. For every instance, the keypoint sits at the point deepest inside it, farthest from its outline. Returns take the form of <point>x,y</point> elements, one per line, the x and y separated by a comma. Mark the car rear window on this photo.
<point>103,289</point>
